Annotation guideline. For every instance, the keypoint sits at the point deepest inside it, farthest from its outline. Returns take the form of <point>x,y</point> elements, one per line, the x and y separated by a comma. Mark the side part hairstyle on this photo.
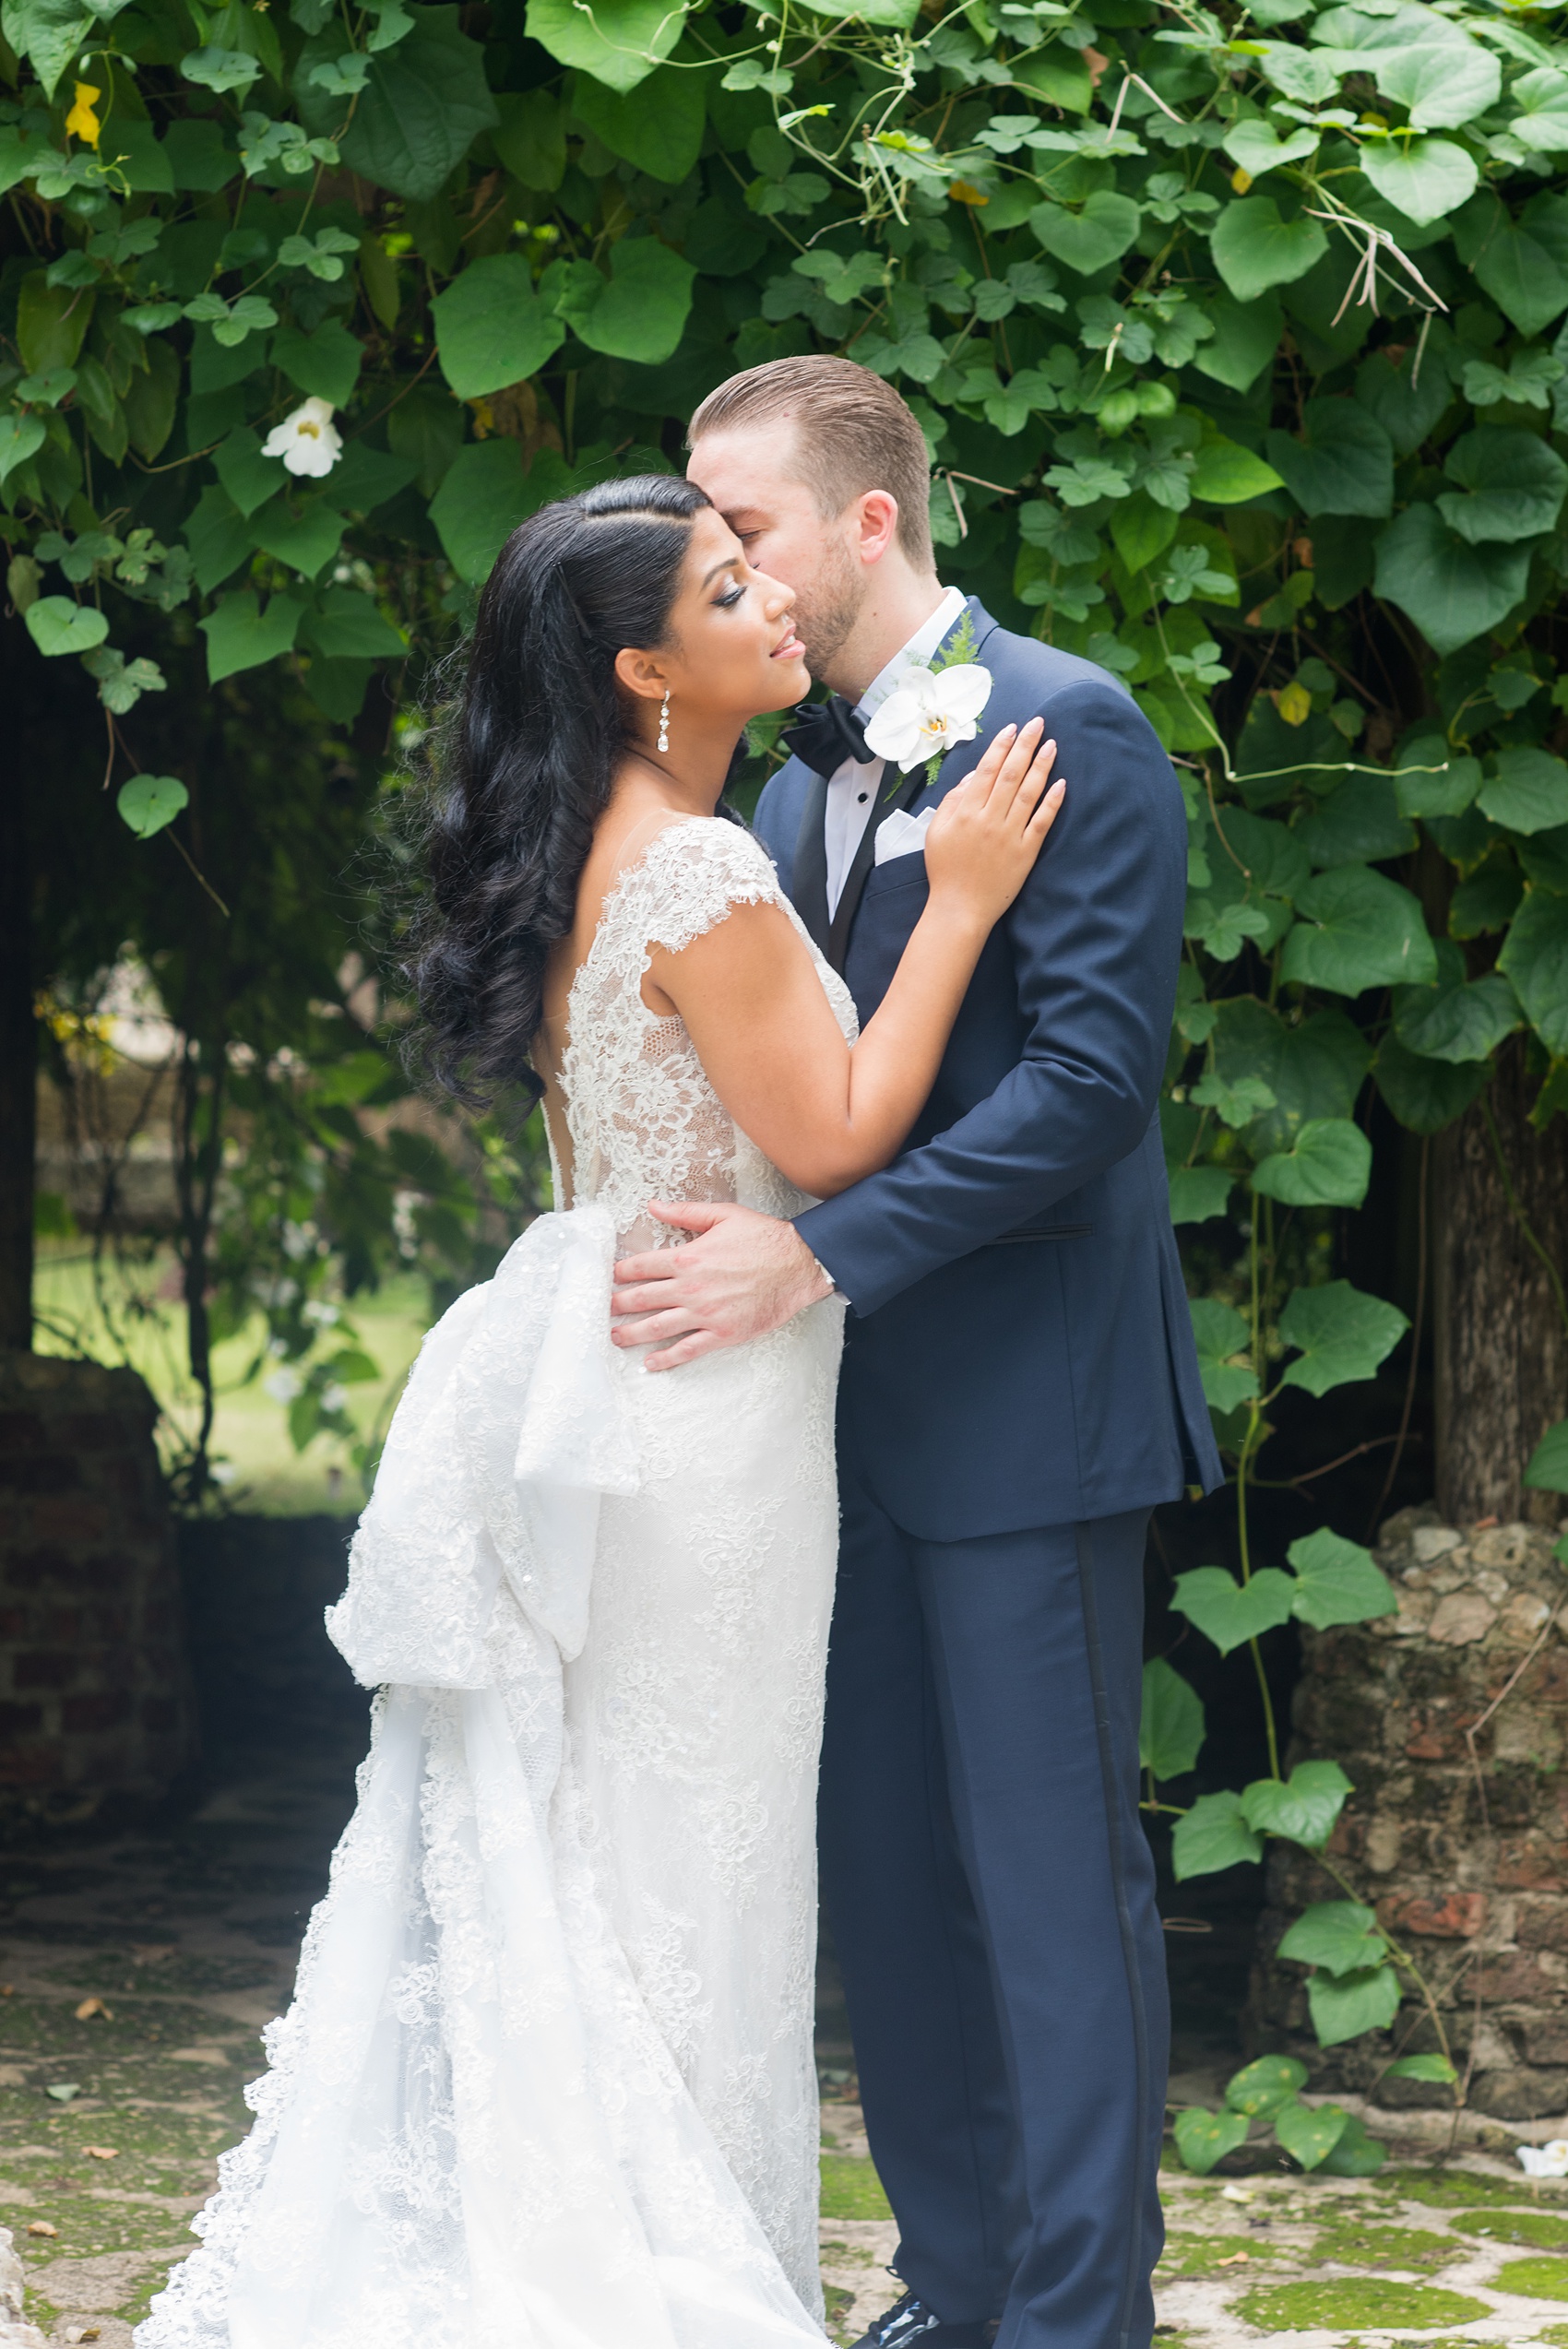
<point>527,766</point>
<point>852,432</point>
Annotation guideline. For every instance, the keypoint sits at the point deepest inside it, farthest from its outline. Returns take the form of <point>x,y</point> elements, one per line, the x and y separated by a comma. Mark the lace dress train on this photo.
<point>547,2080</point>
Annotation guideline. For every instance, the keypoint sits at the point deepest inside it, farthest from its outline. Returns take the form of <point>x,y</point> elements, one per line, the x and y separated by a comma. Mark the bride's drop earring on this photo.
<point>664,722</point>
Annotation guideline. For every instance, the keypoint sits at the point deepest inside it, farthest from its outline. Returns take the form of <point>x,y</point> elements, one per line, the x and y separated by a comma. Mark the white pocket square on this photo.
<point>901,834</point>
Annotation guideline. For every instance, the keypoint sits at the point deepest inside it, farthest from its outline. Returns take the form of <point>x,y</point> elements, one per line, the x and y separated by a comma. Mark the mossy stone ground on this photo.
<point>181,1944</point>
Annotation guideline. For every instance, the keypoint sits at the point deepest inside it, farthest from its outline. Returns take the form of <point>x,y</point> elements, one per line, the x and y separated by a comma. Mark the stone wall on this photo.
<point>1466,1860</point>
<point>95,1701</point>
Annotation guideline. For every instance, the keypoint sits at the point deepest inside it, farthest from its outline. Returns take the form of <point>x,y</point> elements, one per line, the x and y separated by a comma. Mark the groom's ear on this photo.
<point>874,517</point>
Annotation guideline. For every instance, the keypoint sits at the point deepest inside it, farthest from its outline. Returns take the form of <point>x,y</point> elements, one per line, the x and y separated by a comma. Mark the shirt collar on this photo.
<point>925,641</point>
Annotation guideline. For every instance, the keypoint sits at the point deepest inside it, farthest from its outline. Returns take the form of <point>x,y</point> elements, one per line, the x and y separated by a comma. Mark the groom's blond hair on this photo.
<point>852,432</point>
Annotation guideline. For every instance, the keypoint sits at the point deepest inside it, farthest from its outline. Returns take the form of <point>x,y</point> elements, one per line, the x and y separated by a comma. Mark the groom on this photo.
<point>1019,1388</point>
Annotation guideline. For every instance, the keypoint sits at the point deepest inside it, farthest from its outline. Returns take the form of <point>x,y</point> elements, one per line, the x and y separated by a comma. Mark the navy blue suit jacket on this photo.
<point>1019,1350</point>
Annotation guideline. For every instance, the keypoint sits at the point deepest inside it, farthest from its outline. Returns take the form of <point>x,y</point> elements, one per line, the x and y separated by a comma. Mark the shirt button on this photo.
<point>863,799</point>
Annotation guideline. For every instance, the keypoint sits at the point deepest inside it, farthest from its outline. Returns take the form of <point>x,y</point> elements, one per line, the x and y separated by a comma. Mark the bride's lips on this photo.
<point>790,649</point>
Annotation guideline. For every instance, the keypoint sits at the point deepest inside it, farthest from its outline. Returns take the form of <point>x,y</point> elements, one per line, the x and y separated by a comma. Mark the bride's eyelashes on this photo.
<point>730,597</point>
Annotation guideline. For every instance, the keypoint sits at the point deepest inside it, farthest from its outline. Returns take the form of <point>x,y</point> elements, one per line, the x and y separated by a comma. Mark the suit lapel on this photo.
<point>905,792</point>
<point>808,885</point>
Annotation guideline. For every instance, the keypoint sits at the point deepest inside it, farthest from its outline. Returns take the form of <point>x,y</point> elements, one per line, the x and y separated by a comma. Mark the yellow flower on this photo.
<point>81,122</point>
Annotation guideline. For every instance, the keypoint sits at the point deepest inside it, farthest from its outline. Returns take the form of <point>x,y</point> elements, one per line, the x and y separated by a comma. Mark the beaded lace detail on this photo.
<point>644,1124</point>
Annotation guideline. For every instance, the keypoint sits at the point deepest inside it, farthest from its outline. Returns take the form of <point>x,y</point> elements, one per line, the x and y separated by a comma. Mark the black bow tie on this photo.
<point>826,734</point>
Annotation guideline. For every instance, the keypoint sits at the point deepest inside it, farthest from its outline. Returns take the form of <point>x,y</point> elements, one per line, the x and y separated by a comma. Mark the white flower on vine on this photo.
<point>307,440</point>
<point>1544,2161</point>
<point>932,710</point>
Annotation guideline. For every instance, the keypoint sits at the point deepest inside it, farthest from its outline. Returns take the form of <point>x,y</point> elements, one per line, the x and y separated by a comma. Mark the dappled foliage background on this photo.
<point>1232,333</point>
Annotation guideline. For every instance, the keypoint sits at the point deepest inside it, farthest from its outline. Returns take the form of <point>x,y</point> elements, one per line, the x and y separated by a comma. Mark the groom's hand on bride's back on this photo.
<point>740,1276</point>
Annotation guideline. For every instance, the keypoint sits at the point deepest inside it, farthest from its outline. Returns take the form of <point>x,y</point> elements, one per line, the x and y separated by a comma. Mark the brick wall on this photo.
<point>95,1703</point>
<point>1465,1857</point>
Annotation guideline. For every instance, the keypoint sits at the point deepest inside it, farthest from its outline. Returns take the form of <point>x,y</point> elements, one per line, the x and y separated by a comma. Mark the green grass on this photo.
<point>1538,2279</point>
<point>1386,2247</point>
<point>1451,2189</point>
<point>1342,2301</point>
<point>250,1433</point>
<point>1207,2254</point>
<point>1542,2229</point>
<point>851,2188</point>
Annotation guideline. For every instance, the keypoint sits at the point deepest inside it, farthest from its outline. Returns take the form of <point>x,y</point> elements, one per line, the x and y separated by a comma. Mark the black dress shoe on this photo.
<point>909,2324</point>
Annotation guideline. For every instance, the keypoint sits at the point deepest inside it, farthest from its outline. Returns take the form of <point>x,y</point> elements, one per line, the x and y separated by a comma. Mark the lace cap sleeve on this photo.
<point>691,874</point>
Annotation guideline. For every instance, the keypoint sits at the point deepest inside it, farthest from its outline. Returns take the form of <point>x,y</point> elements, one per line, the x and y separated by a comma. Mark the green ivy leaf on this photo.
<point>1205,2138</point>
<point>49,32</point>
<point>1087,240</point>
<point>58,626</point>
<point>1423,178</point>
<point>1346,2006</point>
<point>1444,76</point>
<point>1261,2088</point>
<point>1227,474</point>
<point>1172,1728</point>
<point>20,437</point>
<point>1434,2068</point>
<point>618,42</point>
<point>1456,1020</point>
<point>1453,590</point>
<point>1355,2153</point>
<point>1522,272</point>
<point>1197,1194</point>
<point>1310,2132</point>
<point>1359,823</point>
<point>306,540</point>
<point>1258,147</point>
<point>1229,1612</point>
<point>425,102</point>
<point>641,314</point>
<point>324,365</point>
<point>1527,790</point>
<point>1327,1165</point>
<point>1339,1582</point>
<point>1254,249</point>
<point>1340,1936</point>
<point>1425,1095</point>
<point>659,129</point>
<point>1515,483</point>
<point>1360,931</point>
<point>1236,1101</point>
<point>1342,1335</point>
<point>150,801</point>
<point>240,633</point>
<point>1446,789</point>
<point>1303,1810</point>
<point>1210,1837</point>
<point>347,626</point>
<point>1220,1333</point>
<point>1343,464</point>
<point>492,329</point>
<point>1547,1471</point>
<point>480,501</point>
<point>1534,958</point>
<point>1314,1070</point>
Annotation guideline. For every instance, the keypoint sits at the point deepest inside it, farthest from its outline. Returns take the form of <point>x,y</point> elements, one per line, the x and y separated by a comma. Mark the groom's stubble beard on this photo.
<point>826,610</point>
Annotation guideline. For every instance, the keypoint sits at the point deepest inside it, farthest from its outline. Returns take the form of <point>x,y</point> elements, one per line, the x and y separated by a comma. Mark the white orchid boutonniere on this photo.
<point>932,710</point>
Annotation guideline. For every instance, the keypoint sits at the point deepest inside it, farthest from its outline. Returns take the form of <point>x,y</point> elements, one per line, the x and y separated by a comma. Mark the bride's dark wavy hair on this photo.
<point>524,769</point>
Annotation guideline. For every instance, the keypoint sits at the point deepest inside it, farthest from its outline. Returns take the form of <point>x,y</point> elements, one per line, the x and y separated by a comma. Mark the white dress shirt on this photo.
<point>853,789</point>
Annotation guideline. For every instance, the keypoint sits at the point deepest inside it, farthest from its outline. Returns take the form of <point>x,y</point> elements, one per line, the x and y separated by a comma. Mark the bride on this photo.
<point>547,2079</point>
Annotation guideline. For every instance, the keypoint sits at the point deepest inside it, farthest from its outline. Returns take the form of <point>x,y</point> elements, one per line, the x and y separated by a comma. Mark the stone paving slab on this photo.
<point>138,1975</point>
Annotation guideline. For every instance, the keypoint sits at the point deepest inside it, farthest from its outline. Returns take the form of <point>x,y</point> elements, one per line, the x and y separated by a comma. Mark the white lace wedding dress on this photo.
<point>547,2079</point>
